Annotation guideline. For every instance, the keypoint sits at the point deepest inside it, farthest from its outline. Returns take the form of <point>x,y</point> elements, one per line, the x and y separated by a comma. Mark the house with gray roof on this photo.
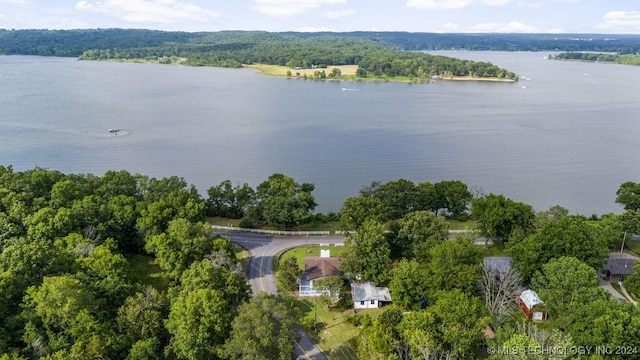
<point>618,266</point>
<point>367,295</point>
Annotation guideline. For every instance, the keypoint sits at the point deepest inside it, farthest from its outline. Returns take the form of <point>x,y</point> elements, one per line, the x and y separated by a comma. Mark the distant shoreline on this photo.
<point>348,73</point>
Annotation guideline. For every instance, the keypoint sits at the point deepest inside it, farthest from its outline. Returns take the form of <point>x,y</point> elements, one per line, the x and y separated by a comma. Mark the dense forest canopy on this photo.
<point>75,42</point>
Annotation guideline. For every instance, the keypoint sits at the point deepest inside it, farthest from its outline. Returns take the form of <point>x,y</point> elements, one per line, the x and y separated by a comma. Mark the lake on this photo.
<point>570,135</point>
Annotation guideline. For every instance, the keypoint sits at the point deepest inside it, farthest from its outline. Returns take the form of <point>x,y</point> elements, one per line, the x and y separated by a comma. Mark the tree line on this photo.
<point>623,59</point>
<point>69,286</point>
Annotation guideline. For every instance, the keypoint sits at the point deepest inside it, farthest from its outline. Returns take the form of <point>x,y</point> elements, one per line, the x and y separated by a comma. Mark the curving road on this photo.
<point>262,250</point>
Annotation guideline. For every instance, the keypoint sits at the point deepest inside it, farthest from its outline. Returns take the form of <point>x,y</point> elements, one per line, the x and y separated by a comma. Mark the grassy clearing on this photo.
<point>333,334</point>
<point>145,271</point>
<point>634,246</point>
<point>277,70</point>
<point>462,225</point>
<point>299,253</point>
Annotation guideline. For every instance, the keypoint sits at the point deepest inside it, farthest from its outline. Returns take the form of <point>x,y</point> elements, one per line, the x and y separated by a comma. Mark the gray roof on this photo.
<point>530,298</point>
<point>621,264</point>
<point>498,264</point>
<point>368,291</point>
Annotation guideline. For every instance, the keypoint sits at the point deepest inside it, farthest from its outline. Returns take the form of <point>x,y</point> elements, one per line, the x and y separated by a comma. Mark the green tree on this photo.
<point>106,273</point>
<point>409,284</point>
<point>228,201</point>
<point>398,198</point>
<point>564,282</point>
<point>367,253</point>
<point>185,204</point>
<point>62,312</point>
<point>451,328</point>
<point>498,216</point>
<point>454,265</point>
<point>570,236</point>
<point>380,339</point>
<point>140,321</point>
<point>199,323</point>
<point>288,274</point>
<point>628,195</point>
<point>265,328</point>
<point>554,214</point>
<point>182,244</point>
<point>358,209</point>
<point>283,202</point>
<point>453,197</point>
<point>204,275</point>
<point>419,232</point>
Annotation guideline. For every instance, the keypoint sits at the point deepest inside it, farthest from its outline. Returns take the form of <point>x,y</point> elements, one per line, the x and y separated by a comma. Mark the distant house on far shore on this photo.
<point>368,296</point>
<point>315,268</point>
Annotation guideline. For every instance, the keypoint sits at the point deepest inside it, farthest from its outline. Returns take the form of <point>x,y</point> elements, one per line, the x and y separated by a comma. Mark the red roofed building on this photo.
<point>532,306</point>
<point>315,268</point>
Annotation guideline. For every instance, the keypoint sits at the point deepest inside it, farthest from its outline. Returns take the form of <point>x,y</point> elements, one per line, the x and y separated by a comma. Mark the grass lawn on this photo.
<point>277,70</point>
<point>299,253</point>
<point>145,271</point>
<point>462,225</point>
<point>633,246</point>
<point>333,333</point>
<point>222,221</point>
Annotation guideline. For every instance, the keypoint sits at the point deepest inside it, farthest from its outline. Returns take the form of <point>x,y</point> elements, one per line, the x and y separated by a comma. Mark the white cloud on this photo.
<point>291,7</point>
<point>530,5</point>
<point>620,22</point>
<point>452,4</point>
<point>14,2</point>
<point>148,11</point>
<point>337,14</point>
<point>510,27</point>
<point>314,29</point>
<point>439,4</point>
<point>449,27</point>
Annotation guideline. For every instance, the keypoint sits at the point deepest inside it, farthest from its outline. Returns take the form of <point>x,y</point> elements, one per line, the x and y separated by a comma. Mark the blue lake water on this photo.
<point>569,136</point>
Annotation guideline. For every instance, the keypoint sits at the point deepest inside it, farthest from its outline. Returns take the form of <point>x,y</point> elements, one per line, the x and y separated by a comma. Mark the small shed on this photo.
<point>532,306</point>
<point>618,266</point>
<point>367,295</point>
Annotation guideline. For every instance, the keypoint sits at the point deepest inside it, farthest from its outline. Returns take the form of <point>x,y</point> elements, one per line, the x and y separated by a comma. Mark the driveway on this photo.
<point>262,250</point>
<point>614,294</point>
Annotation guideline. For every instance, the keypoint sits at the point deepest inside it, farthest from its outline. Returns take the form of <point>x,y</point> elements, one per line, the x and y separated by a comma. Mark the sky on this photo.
<point>446,16</point>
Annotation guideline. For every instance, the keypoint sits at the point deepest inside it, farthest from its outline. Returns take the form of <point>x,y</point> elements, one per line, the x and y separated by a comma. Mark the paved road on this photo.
<point>262,250</point>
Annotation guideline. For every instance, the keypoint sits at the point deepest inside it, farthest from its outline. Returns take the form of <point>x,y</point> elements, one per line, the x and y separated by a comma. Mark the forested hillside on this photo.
<point>378,54</point>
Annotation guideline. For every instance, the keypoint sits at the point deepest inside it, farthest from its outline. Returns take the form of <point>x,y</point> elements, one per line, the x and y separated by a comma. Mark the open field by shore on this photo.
<point>277,70</point>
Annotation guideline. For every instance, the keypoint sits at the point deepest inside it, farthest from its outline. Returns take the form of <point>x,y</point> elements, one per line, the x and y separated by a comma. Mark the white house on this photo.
<point>367,295</point>
<point>315,268</point>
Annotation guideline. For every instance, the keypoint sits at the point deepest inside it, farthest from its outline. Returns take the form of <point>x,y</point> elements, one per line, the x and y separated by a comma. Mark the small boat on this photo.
<point>114,130</point>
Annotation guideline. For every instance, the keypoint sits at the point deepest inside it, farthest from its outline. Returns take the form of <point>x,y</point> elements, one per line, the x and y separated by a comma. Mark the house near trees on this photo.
<point>618,266</point>
<point>368,296</point>
<point>531,305</point>
<point>498,265</point>
<point>317,268</point>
